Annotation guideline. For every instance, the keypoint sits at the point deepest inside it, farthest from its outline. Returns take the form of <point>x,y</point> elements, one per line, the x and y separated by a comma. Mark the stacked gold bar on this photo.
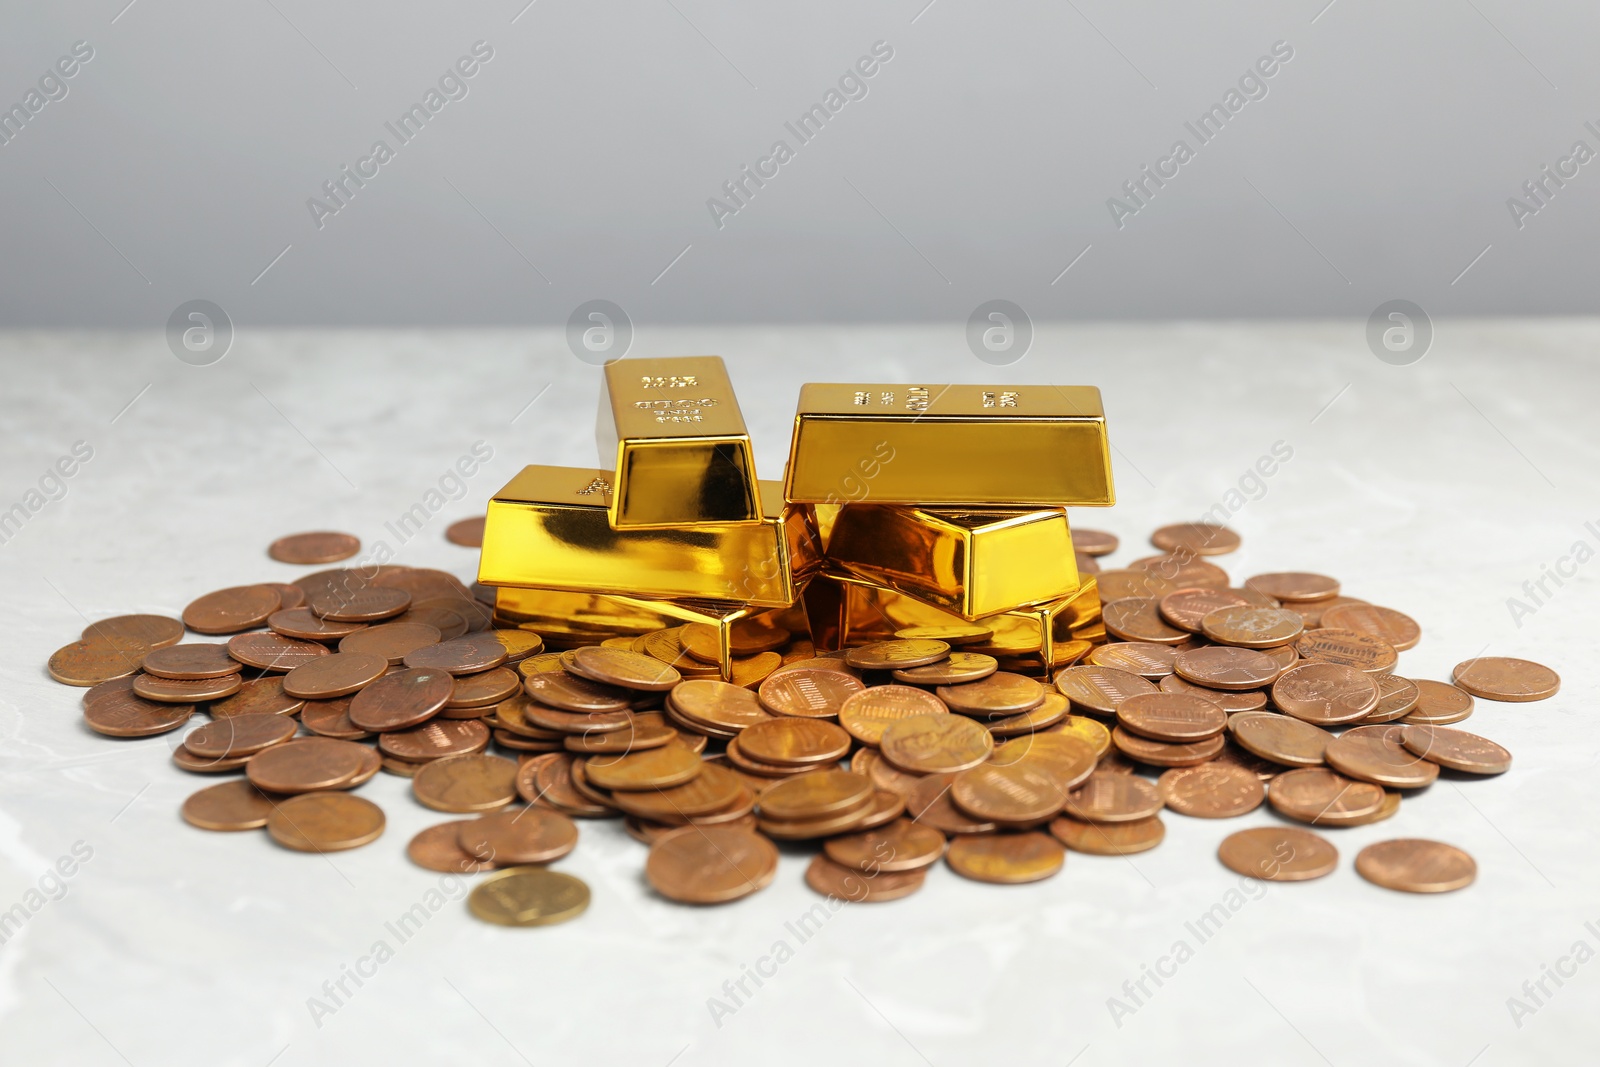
<point>943,508</point>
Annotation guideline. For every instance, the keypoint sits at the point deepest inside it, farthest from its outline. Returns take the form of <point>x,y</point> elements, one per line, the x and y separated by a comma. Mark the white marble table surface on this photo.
<point>1438,488</point>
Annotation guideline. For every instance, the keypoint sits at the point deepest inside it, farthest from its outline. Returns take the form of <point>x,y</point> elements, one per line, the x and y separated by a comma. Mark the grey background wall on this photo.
<point>577,162</point>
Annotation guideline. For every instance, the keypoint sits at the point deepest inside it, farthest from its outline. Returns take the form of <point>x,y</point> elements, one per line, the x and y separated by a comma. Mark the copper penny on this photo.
<point>1171,717</point>
<point>1125,583</point>
<point>1001,693</point>
<point>518,644</point>
<point>530,713</point>
<point>902,845</point>
<point>436,740</point>
<point>931,744</point>
<point>320,546</point>
<point>1413,865</point>
<point>1162,754</point>
<point>1323,797</point>
<point>1375,754</point>
<point>718,704</point>
<point>402,699</point>
<point>519,835</point>
<point>1187,608</point>
<point>656,768</point>
<point>930,805</point>
<point>262,696</point>
<point>273,652</point>
<point>230,806</point>
<point>325,822</point>
<point>185,690</point>
<point>1278,854</point>
<point>1099,689</point>
<point>1021,792</point>
<point>1147,660</point>
<point>107,689</point>
<point>484,689</point>
<point>1211,791</point>
<point>229,611</point>
<point>1200,538</point>
<point>307,765</point>
<point>289,596</point>
<point>1325,694</point>
<point>391,640</point>
<point>1456,749</point>
<point>1386,624</point>
<point>360,605</point>
<point>1225,667</point>
<point>897,654</point>
<point>466,783</point>
<point>1280,738</point>
<point>1439,704</point>
<point>1108,797</point>
<point>331,718</point>
<point>438,848</point>
<point>1231,702</point>
<point>241,735</point>
<point>710,864</point>
<point>129,715</point>
<point>1312,611</point>
<point>466,532</point>
<point>846,883</point>
<point>1109,839</point>
<point>716,794</point>
<point>817,793</point>
<point>188,761</point>
<point>884,775</point>
<point>1181,569</point>
<point>1054,709</point>
<point>950,634</point>
<point>299,622</point>
<point>1252,627</point>
<point>1006,859</point>
<point>791,741</point>
<point>1068,758</point>
<point>1294,585</point>
<point>1139,619</point>
<point>447,621</point>
<point>191,661</point>
<point>745,638</point>
<point>955,669</point>
<point>135,631</point>
<point>1351,648</point>
<point>1503,678</point>
<point>628,670</point>
<point>88,663</point>
<point>548,779</point>
<point>572,693</point>
<point>1094,542</point>
<point>334,675</point>
<point>867,713</point>
<point>807,692</point>
<point>1397,698</point>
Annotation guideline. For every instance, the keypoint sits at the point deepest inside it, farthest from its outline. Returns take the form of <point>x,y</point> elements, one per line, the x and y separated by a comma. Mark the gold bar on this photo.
<point>950,445</point>
<point>971,562</point>
<point>548,528</point>
<point>683,455</point>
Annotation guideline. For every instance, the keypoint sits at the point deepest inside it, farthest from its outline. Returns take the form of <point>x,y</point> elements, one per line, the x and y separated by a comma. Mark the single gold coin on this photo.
<point>902,845</point>
<point>1375,754</point>
<point>1504,678</point>
<point>896,655</point>
<point>1323,797</point>
<point>332,676</point>
<point>1351,648</point>
<point>629,670</point>
<point>1226,667</point>
<point>1250,626</point>
<point>438,848</point>
<point>325,822</point>
<point>135,631</point>
<point>1413,865</point>
<point>809,692</point>
<point>935,744</point>
<point>1456,749</point>
<point>1147,660</point>
<point>846,883</point>
<point>955,669</point>
<point>528,896</point>
<point>1394,627</point>
<point>1000,693</point>
<point>1139,619</point>
<point>1106,797</point>
<point>239,735</point>
<point>710,864</point>
<point>191,660</point>
<point>511,837</point>
<point>1280,738</point>
<point>794,742</point>
<point>1294,585</point>
<point>1439,703</point>
<point>1108,839</point>
<point>230,806</point>
<point>231,611</point>
<point>463,784</point>
<point>1021,792</point>
<point>321,546</point>
<point>1278,854</point>
<point>1098,690</point>
<point>657,768</point>
<point>1171,717</point>
<point>1006,859</point>
<point>1211,791</point>
<point>1199,538</point>
<point>1325,694</point>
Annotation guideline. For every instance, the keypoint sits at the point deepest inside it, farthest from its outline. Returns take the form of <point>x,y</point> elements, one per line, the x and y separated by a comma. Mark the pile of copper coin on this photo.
<point>1207,699</point>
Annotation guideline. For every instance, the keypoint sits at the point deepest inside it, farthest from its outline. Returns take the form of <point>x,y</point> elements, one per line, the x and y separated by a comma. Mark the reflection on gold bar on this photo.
<point>683,456</point>
<point>950,445</point>
<point>846,611</point>
<point>548,528</point>
<point>972,562</point>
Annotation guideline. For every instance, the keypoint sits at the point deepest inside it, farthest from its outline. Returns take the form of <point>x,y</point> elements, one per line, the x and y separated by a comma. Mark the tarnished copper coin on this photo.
<point>402,699</point>
<point>1021,792</point>
<point>1280,738</point>
<point>466,783</point>
<point>1504,678</point>
<point>817,793</point>
<point>329,718</point>
<point>185,690</point>
<point>1006,859</point>
<point>1413,865</point>
<point>436,740</point>
<point>272,652</point>
<point>1200,538</point>
<point>955,669</point>
<point>1230,701</point>
<point>320,546</point>
<point>1278,854</point>
<point>628,670</point>
<point>368,604</point>
<point>307,765</point>
<point>1252,627</point>
<point>1162,754</point>
<point>1099,689</point>
<point>896,655</point>
<point>656,768</point>
<point>135,631</point>
<point>325,822</point>
<point>126,714</point>
<point>1143,658</point>
<point>1187,608</point>
<point>517,836</point>
<point>1325,694</point>
<point>336,675</point>
<point>466,532</point>
<point>391,640</point>
<point>1211,791</point>
<point>1171,717</point>
<point>714,795</point>
<point>1108,797</point>
<point>229,611</point>
<point>1225,667</point>
<point>438,848</point>
<point>1323,797</point>
<point>230,806</point>
<point>191,660</point>
<point>241,735</point>
<point>1439,704</point>
<point>902,845</point>
<point>1456,749</point>
<point>808,692</point>
<point>710,864</point>
<point>1000,693</point>
<point>1294,585</point>
<point>933,744</point>
<point>1139,619</point>
<point>867,713</point>
<point>1386,624</point>
<point>1108,839</point>
<point>87,663</point>
<point>1375,754</point>
<point>1351,648</point>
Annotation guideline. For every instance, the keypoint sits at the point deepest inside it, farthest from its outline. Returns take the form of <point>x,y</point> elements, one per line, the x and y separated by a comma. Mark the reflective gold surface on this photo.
<point>683,456</point>
<point>971,562</point>
<point>950,445</point>
<point>549,528</point>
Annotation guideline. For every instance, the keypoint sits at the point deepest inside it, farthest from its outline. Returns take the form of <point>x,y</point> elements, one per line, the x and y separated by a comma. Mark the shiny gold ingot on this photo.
<point>950,446</point>
<point>972,563</point>
<point>682,453</point>
<point>548,528</point>
<point>845,611</point>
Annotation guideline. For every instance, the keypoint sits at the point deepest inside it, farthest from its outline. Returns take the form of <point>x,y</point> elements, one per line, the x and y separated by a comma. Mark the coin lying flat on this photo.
<point>1099,689</point>
<point>1006,859</point>
<point>465,784</point>
<point>896,655</point>
<point>1139,619</point>
<point>1187,608</point>
<point>1108,839</point>
<point>794,742</point>
<point>1105,797</point>
<point>1200,538</point>
<point>1280,738</point>
<point>1323,797</point>
<point>902,845</point>
<point>1278,854</point>
<point>528,896</point>
<point>934,744</point>
<point>1456,749</point>
<point>518,836</point>
<point>1211,791</point>
<point>1503,678</point>
<point>466,532</point>
<point>858,887</point>
<point>1172,717</point>
<point>325,822</point>
<point>1230,701</point>
<point>1226,667</point>
<point>1413,865</point>
<point>438,848</point>
<point>1386,624</point>
<point>307,765</point>
<point>191,660</point>
<point>1325,694</point>
<point>807,796</point>
<point>1397,698</point>
<point>135,631</point>
<point>1164,754</point>
<point>320,546</point>
<point>1439,704</point>
<point>1250,626</point>
<point>359,605</point>
<point>230,806</point>
<point>127,714</point>
<point>336,675</point>
<point>231,611</point>
<point>1000,693</point>
<point>240,735</point>
<point>185,690</point>
<point>1294,585</point>
<point>1352,648</point>
<point>710,864</point>
<point>629,670</point>
<point>1021,792</point>
<point>408,697</point>
<point>1375,754</point>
